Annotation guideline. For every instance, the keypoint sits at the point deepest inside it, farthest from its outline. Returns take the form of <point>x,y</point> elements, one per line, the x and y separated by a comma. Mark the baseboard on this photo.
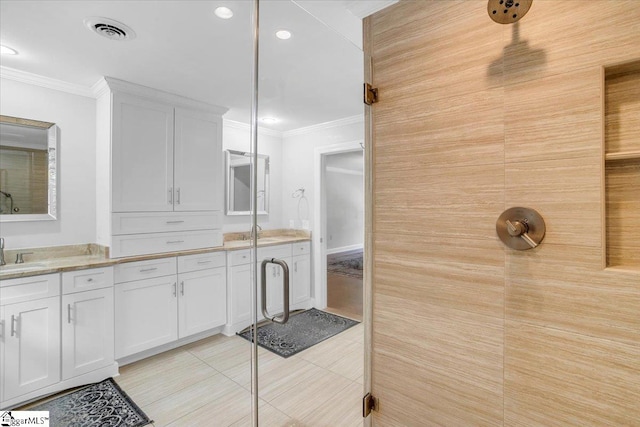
<point>344,249</point>
<point>80,380</point>
<point>170,346</point>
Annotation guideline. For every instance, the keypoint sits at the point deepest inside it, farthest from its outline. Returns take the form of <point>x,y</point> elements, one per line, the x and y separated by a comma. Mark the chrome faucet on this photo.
<point>19,255</point>
<point>2,261</point>
<point>253,230</point>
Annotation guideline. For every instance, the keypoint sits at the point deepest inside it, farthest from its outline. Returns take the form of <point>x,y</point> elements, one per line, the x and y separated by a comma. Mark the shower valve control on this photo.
<point>520,228</point>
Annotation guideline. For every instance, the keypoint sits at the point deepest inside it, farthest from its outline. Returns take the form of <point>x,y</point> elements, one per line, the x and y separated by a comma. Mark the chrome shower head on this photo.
<point>508,11</point>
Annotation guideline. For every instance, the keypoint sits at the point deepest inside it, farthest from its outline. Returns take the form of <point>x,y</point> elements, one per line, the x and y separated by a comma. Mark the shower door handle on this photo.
<point>263,287</point>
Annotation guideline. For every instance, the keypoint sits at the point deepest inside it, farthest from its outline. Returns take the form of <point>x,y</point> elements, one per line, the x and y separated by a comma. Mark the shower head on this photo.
<point>508,11</point>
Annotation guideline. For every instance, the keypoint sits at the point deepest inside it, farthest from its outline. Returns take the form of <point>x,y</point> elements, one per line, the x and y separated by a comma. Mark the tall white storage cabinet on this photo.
<point>160,171</point>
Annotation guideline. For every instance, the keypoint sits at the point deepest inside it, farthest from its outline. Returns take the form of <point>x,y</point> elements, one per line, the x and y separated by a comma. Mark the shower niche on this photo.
<point>622,164</point>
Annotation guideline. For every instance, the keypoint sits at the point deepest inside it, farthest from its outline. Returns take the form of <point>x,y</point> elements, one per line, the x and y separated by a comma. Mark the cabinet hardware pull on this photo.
<point>182,288</point>
<point>1,328</point>
<point>145,270</point>
<point>14,324</point>
<point>175,222</point>
<point>174,241</point>
<point>204,262</point>
<point>170,195</point>
<point>90,279</point>
<point>178,201</point>
<point>175,287</point>
<point>68,313</point>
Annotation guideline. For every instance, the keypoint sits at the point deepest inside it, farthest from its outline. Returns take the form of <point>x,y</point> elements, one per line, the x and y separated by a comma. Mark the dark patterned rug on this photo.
<point>302,331</point>
<point>102,404</point>
<point>351,266</point>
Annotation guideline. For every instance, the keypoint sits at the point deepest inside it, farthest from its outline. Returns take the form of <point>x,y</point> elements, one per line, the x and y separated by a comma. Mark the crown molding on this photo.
<point>46,82</point>
<point>159,95</point>
<point>232,124</point>
<point>323,126</point>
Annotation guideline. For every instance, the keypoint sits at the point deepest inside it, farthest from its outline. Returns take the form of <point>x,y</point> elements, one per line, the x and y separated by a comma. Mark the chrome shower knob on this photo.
<point>520,228</point>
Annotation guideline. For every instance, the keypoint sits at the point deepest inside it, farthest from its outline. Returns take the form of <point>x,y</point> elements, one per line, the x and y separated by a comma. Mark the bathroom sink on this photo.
<point>17,268</point>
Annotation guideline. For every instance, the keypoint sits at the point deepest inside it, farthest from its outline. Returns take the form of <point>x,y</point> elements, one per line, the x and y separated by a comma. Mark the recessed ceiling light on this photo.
<point>223,12</point>
<point>269,120</point>
<point>5,50</point>
<point>283,34</point>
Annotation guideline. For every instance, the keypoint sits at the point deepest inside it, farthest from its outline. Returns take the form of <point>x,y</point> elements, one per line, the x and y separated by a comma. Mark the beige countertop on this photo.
<point>78,257</point>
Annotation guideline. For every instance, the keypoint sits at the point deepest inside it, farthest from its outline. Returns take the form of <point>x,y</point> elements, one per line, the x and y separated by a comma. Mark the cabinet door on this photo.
<point>198,163</point>
<point>87,331</point>
<point>300,279</point>
<point>240,289</point>
<point>142,155</point>
<point>31,346</point>
<point>146,314</point>
<point>202,303</point>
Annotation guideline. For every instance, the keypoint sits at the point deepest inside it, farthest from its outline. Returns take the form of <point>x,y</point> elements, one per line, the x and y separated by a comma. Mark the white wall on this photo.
<point>237,136</point>
<point>75,117</point>
<point>298,155</point>
<point>344,190</point>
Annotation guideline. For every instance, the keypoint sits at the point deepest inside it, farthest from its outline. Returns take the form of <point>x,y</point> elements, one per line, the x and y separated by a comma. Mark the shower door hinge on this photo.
<point>369,403</point>
<point>370,94</point>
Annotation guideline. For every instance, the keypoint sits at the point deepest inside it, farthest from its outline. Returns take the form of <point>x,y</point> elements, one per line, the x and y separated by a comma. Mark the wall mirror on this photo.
<point>28,170</point>
<point>238,181</point>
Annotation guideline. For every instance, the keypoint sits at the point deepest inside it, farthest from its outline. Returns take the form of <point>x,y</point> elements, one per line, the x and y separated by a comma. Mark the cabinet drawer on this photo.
<point>153,243</point>
<point>280,251</point>
<point>158,222</point>
<point>201,261</point>
<point>84,280</point>
<point>131,271</point>
<point>29,288</point>
<point>301,248</point>
<point>240,257</point>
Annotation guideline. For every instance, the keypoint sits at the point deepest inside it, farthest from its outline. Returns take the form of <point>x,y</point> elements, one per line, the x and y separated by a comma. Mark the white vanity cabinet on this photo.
<point>87,321</point>
<point>146,307</point>
<point>202,303</point>
<point>44,349</point>
<point>301,276</point>
<point>30,335</point>
<point>160,301</point>
<point>239,273</point>
<point>160,171</point>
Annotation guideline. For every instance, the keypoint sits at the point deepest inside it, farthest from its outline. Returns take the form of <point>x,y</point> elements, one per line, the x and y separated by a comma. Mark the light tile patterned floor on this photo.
<point>207,384</point>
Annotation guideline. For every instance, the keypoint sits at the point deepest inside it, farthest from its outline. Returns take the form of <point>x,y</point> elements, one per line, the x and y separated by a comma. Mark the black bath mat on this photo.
<point>100,404</point>
<point>302,331</point>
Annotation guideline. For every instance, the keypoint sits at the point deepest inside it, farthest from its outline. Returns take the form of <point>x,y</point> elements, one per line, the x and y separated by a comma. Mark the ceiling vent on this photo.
<point>109,28</point>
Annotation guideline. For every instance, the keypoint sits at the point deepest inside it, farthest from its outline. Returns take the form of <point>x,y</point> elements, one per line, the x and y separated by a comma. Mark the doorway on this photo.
<point>343,210</point>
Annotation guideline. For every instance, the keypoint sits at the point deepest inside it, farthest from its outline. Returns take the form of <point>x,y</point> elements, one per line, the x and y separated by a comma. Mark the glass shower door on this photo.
<point>310,121</point>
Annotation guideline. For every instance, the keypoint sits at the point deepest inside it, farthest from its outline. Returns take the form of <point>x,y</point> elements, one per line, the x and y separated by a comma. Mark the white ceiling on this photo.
<point>183,48</point>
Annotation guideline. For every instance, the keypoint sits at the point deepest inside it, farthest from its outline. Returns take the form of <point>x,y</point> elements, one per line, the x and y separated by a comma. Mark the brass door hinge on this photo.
<point>369,403</point>
<point>370,94</point>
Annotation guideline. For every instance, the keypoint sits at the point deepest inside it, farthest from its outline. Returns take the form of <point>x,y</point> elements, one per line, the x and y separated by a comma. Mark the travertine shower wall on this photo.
<point>473,118</point>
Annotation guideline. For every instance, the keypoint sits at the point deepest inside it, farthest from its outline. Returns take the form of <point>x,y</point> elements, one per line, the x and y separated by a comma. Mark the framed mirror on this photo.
<point>28,170</point>
<point>239,179</point>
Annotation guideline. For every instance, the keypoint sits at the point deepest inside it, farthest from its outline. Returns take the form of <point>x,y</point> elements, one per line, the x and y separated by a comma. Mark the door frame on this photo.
<point>319,238</point>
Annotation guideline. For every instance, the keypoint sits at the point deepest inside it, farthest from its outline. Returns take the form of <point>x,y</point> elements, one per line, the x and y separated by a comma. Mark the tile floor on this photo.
<point>207,384</point>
